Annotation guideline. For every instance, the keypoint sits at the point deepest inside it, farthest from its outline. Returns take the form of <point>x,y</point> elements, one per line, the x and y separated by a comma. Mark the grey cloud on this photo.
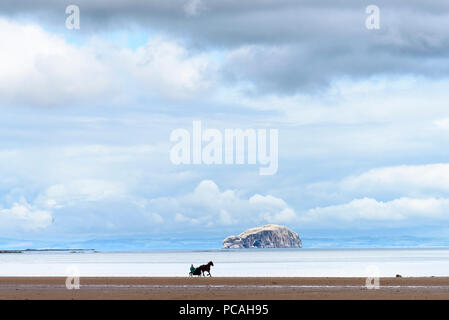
<point>291,46</point>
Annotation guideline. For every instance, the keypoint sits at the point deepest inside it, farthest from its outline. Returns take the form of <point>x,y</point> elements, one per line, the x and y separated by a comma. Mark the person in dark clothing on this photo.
<point>192,270</point>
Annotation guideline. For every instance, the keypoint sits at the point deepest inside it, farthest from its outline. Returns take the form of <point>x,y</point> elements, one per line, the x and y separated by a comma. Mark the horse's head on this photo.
<point>210,263</point>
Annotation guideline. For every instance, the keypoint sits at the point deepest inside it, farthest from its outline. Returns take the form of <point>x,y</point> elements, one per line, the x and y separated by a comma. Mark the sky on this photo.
<point>86,116</point>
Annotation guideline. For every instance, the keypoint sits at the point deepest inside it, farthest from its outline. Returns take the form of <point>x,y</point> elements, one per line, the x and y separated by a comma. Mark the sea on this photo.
<point>414,262</point>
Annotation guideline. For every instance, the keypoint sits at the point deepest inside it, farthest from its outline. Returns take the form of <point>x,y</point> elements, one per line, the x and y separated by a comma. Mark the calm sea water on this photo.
<point>262,262</point>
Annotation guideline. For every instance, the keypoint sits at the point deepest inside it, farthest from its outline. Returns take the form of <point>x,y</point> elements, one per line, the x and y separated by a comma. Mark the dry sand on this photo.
<point>224,288</point>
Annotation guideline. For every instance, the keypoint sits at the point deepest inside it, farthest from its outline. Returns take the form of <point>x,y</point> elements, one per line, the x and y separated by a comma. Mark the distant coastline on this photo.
<point>47,250</point>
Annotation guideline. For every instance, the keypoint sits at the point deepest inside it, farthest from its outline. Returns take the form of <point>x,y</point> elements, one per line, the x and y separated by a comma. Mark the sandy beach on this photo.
<point>19,288</point>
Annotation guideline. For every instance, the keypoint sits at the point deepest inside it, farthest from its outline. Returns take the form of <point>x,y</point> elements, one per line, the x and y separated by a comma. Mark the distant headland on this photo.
<point>45,250</point>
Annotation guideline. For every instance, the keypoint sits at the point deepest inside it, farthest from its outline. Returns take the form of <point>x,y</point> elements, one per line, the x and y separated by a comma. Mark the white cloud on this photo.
<point>39,68</point>
<point>267,201</point>
<point>209,206</point>
<point>99,150</point>
<point>285,215</point>
<point>208,194</point>
<point>386,183</point>
<point>379,100</point>
<point>155,218</point>
<point>272,209</point>
<point>78,191</point>
<point>442,123</point>
<point>22,215</point>
<point>166,68</point>
<point>226,218</point>
<point>42,69</point>
<point>413,193</point>
<point>206,206</point>
<point>373,210</point>
<point>406,178</point>
<point>108,154</point>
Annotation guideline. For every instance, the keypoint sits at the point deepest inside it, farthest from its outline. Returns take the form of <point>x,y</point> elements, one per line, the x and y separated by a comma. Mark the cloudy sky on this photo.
<point>86,117</point>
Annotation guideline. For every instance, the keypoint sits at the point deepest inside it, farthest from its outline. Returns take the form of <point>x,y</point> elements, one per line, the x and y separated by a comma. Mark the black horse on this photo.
<point>201,269</point>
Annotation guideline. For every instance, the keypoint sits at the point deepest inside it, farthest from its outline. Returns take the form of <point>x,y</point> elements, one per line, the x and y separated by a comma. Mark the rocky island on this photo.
<point>268,236</point>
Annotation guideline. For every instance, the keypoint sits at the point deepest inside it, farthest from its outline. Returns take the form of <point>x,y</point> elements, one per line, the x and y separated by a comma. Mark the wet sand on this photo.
<point>223,288</point>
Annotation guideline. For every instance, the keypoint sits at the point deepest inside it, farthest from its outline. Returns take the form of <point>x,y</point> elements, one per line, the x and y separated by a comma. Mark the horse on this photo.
<point>201,269</point>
